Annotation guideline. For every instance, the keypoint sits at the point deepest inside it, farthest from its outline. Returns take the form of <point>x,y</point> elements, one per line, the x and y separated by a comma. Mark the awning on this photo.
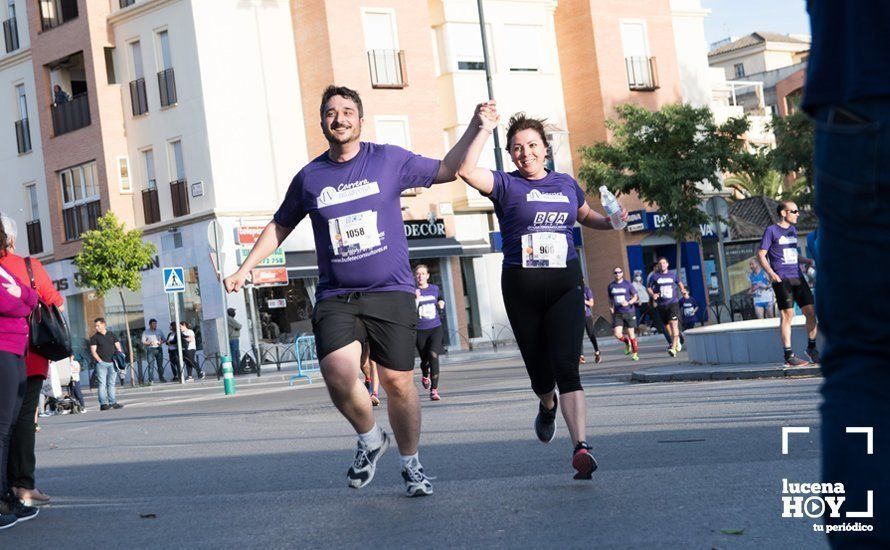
<point>475,248</point>
<point>301,264</point>
<point>433,248</point>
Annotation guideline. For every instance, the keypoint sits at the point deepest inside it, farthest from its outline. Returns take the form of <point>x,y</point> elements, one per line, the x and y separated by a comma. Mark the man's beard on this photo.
<point>333,138</point>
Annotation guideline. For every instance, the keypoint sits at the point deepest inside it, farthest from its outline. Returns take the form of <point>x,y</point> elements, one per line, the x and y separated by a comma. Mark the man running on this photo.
<point>781,259</point>
<point>663,288</point>
<point>589,327</point>
<point>365,290</point>
<point>623,297</point>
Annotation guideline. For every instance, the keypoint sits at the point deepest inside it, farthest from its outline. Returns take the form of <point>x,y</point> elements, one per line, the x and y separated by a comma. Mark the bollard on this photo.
<point>228,375</point>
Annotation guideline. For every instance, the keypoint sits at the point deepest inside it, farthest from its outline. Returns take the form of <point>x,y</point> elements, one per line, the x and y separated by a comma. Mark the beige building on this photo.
<point>758,52</point>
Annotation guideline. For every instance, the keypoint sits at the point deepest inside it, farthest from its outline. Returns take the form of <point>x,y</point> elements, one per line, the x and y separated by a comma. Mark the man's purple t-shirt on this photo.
<point>525,207</point>
<point>781,251</point>
<point>428,307</point>
<point>666,285</point>
<point>588,295</point>
<point>620,294</point>
<point>356,217</point>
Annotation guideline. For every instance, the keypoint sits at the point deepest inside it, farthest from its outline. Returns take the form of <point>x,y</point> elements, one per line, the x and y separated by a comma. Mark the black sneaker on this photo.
<point>417,484</point>
<point>583,461</point>
<point>545,422</point>
<point>117,406</point>
<point>365,464</point>
<point>12,505</point>
<point>814,356</point>
<point>794,361</point>
<point>7,521</point>
<point>104,407</point>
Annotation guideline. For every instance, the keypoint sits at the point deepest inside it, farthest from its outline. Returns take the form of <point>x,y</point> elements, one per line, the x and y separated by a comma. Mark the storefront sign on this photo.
<point>276,258</point>
<point>415,229</point>
<point>636,221</point>
<point>278,303</point>
<point>249,234</point>
<point>641,220</point>
<point>269,276</point>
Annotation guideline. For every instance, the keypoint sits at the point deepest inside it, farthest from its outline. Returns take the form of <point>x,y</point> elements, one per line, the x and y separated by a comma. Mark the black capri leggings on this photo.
<point>429,346</point>
<point>546,312</point>
<point>12,392</point>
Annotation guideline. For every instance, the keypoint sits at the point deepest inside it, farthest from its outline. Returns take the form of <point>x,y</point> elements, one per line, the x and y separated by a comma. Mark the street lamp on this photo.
<point>498,161</point>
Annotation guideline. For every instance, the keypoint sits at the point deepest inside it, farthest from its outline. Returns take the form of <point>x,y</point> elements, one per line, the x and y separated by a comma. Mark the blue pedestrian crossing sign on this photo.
<point>173,280</point>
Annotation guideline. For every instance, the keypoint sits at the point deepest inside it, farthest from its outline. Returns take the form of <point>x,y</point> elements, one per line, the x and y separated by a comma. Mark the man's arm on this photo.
<point>473,139</point>
<point>764,262</point>
<point>270,239</point>
<point>94,354</point>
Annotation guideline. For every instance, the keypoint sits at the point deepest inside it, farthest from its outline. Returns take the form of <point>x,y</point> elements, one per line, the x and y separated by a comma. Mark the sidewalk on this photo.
<point>689,372</point>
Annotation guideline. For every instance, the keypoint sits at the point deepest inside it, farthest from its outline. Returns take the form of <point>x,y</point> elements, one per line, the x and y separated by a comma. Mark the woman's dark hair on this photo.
<point>341,91</point>
<point>4,241</point>
<point>520,121</point>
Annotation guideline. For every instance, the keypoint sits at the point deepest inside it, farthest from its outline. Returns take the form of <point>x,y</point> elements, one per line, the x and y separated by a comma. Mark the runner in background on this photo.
<point>623,298</point>
<point>588,325</point>
<point>429,329</point>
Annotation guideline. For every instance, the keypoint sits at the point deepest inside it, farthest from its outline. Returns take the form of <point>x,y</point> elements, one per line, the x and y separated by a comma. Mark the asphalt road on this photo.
<point>682,465</point>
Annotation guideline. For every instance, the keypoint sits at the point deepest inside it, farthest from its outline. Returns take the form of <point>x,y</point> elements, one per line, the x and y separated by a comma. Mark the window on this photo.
<point>148,160</point>
<point>35,235</point>
<point>33,205</point>
<point>739,69</point>
<point>385,61</point>
<point>393,130</point>
<point>110,74</point>
<point>178,187</point>
<point>166,77</point>
<point>123,174</point>
<point>151,206</point>
<point>466,39</point>
<point>138,96</point>
<point>22,101</point>
<point>80,199</point>
<point>524,44</point>
<point>641,74</point>
<point>136,60</point>
<point>164,48</point>
<point>633,39</point>
<point>10,28</point>
<point>178,166</point>
<point>22,125</point>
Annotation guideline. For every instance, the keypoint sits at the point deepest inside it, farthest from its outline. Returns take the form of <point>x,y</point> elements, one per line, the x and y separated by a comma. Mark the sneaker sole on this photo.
<point>2,527</point>
<point>26,518</point>
<point>552,437</point>
<point>585,465</point>
<point>804,364</point>
<point>419,491</point>
<point>357,483</point>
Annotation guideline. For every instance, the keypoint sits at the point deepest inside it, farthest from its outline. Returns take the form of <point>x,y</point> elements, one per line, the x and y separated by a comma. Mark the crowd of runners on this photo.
<point>372,312</point>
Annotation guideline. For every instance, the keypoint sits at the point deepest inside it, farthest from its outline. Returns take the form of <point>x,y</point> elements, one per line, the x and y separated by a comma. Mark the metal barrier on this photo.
<point>307,359</point>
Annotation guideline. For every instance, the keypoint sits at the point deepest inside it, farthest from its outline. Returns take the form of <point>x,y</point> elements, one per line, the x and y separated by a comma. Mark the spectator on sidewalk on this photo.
<point>190,348</point>
<point>103,345</point>
<point>74,386</point>
<point>173,353</point>
<point>152,339</point>
<point>234,337</point>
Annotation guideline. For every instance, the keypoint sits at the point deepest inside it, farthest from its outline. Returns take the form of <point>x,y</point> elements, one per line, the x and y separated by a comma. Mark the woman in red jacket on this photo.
<point>22,459</point>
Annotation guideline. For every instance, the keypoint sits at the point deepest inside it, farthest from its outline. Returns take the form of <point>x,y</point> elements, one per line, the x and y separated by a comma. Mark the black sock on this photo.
<point>811,343</point>
<point>788,353</point>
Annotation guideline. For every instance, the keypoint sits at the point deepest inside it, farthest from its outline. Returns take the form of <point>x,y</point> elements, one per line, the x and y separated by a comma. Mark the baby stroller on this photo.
<point>59,389</point>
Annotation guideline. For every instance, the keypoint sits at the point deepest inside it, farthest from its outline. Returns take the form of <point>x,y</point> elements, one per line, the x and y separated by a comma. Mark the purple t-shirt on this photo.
<point>536,218</point>
<point>666,285</point>
<point>620,294</point>
<point>356,217</point>
<point>588,295</point>
<point>781,251</point>
<point>428,307</point>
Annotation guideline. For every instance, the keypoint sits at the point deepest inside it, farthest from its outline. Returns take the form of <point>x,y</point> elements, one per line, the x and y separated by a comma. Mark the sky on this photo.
<point>741,17</point>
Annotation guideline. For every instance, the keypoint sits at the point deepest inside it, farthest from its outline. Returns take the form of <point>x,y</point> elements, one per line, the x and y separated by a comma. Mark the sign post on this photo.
<point>215,236</point>
<point>174,284</point>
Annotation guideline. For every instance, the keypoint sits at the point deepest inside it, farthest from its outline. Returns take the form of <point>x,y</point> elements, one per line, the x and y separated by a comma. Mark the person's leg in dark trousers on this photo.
<point>76,392</point>
<point>191,362</point>
<point>852,198</point>
<point>12,393</point>
<point>235,347</point>
<point>22,461</point>
<point>658,323</point>
<point>591,334</point>
<point>174,364</point>
<point>434,348</point>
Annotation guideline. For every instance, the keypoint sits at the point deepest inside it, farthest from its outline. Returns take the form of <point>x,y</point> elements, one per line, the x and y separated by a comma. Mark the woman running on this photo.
<point>429,330</point>
<point>589,326</point>
<point>541,279</point>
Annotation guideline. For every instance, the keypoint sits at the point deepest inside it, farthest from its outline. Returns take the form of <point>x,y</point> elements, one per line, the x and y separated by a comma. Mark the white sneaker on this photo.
<point>417,484</point>
<point>365,464</point>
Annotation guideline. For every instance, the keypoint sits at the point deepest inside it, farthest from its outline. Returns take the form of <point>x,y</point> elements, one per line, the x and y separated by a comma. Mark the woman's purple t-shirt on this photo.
<point>525,207</point>
<point>427,301</point>
<point>356,217</point>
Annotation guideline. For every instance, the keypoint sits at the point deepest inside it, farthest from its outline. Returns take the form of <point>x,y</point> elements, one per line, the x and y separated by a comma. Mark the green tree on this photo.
<point>771,184</point>
<point>666,157</point>
<point>112,258</point>
<point>793,153</point>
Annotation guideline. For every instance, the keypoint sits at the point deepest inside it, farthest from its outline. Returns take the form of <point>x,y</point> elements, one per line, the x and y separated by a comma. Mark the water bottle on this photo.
<point>612,208</point>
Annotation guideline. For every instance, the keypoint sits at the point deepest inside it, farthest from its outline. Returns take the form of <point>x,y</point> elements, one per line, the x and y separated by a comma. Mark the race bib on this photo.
<point>789,256</point>
<point>354,233</point>
<point>620,300</point>
<point>427,311</point>
<point>544,249</point>
<point>667,292</point>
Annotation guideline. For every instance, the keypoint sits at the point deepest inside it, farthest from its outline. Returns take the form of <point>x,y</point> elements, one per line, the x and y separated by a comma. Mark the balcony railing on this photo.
<point>72,114</point>
<point>641,73</point>
<point>11,34</point>
<point>179,191</point>
<point>388,69</point>
<point>167,86</point>
<point>80,218</point>
<point>151,208</point>
<point>56,12</point>
<point>35,237</point>
<point>126,3</point>
<point>138,98</point>
<point>23,135</point>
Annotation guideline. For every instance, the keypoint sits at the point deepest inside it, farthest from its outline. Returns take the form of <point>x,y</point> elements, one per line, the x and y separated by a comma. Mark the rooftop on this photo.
<point>749,217</point>
<point>754,39</point>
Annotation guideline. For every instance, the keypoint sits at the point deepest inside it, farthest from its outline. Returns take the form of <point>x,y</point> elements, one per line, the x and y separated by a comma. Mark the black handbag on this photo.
<point>49,336</point>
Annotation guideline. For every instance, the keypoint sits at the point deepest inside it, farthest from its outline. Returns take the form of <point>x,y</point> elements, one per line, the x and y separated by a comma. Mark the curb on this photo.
<point>692,373</point>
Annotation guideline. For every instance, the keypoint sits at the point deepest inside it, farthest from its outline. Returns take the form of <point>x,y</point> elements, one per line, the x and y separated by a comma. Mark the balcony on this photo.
<point>23,136</point>
<point>151,208</point>
<point>167,86</point>
<point>71,115</point>
<point>138,98</point>
<point>56,12</point>
<point>179,191</point>
<point>641,73</point>
<point>11,34</point>
<point>388,69</point>
<point>35,237</point>
<point>80,218</point>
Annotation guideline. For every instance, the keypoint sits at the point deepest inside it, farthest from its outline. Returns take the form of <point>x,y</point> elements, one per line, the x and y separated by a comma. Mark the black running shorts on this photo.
<point>624,319</point>
<point>385,320</point>
<point>792,290</point>
<point>669,312</point>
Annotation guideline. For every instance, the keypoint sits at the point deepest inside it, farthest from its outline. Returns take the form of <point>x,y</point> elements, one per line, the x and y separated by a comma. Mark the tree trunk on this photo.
<point>129,338</point>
